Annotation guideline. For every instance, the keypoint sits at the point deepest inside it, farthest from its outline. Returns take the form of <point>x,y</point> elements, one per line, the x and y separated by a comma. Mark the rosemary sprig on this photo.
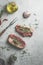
<point>1,12</point>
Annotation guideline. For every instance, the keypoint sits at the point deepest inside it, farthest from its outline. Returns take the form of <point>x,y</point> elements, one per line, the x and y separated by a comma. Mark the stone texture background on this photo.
<point>33,44</point>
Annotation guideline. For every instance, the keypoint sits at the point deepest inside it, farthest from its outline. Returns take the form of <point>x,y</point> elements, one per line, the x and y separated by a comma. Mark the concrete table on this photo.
<point>34,45</point>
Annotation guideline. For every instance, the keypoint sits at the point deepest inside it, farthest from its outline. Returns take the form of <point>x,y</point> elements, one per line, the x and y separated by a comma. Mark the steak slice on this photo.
<point>16,41</point>
<point>24,31</point>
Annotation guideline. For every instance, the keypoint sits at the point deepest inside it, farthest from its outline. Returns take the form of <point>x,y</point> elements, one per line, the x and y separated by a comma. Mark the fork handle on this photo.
<point>2,32</point>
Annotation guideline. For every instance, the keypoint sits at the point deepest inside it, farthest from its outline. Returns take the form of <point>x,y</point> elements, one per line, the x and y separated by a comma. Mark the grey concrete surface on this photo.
<point>33,44</point>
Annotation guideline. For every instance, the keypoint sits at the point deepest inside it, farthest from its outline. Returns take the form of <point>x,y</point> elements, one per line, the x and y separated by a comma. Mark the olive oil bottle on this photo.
<point>11,7</point>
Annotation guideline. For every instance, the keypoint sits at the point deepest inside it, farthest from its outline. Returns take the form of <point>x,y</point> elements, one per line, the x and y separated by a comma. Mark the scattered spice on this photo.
<point>12,59</point>
<point>28,54</point>
<point>36,23</point>
<point>35,19</point>
<point>36,27</point>
<point>24,25</point>
<point>8,49</point>
<point>34,14</point>
<point>26,49</point>
<point>2,47</point>
<point>21,55</point>
<point>24,52</point>
<point>2,62</point>
<point>30,25</point>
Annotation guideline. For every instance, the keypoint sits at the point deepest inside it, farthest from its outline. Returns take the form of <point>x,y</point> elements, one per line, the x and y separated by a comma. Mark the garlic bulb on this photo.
<point>26,14</point>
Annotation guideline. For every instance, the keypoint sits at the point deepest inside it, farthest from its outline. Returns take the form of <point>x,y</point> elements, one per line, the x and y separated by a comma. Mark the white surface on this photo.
<point>33,44</point>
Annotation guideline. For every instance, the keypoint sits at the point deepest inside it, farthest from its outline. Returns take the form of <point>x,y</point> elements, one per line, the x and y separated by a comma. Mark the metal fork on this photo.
<point>11,23</point>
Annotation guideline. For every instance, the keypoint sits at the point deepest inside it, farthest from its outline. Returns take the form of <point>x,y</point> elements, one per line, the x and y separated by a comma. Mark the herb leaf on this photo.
<point>1,12</point>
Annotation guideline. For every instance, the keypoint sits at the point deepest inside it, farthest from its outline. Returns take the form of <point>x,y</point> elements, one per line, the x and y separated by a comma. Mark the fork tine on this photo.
<point>13,21</point>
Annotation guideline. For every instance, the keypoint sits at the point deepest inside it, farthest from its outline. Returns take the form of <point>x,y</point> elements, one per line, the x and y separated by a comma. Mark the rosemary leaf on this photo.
<point>1,12</point>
